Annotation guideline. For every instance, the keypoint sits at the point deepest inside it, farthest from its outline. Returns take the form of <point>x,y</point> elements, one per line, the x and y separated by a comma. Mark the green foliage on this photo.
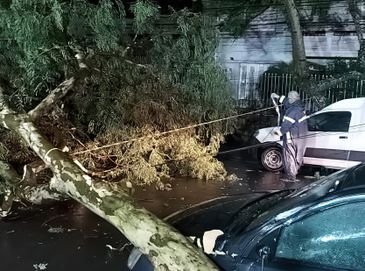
<point>341,66</point>
<point>40,38</point>
<point>12,148</point>
<point>178,83</point>
<point>239,14</point>
<point>188,60</point>
<point>145,14</point>
<point>155,80</point>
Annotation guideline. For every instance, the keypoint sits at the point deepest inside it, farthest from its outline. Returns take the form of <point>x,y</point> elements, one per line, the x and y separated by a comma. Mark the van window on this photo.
<point>330,122</point>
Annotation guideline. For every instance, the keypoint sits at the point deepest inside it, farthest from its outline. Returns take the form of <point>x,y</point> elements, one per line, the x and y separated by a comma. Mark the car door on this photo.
<point>332,238</point>
<point>327,139</point>
<point>357,135</point>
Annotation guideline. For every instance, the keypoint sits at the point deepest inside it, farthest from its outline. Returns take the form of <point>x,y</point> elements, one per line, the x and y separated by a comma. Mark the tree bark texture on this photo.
<point>358,17</point>
<point>299,56</point>
<point>166,248</point>
<point>57,94</point>
<point>16,188</point>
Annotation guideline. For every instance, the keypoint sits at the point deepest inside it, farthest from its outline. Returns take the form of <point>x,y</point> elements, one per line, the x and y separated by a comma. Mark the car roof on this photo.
<point>346,104</point>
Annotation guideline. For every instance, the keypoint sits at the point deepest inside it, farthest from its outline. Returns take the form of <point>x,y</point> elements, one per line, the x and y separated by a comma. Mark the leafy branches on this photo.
<point>237,20</point>
<point>145,14</point>
<point>188,60</point>
<point>131,86</point>
<point>40,39</point>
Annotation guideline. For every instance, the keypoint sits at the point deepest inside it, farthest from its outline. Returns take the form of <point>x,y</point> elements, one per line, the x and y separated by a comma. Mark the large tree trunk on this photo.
<point>299,56</point>
<point>301,71</point>
<point>358,17</point>
<point>166,248</point>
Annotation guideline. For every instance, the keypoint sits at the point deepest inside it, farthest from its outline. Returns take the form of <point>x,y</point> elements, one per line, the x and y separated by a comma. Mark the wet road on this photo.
<point>69,237</point>
<point>187,192</point>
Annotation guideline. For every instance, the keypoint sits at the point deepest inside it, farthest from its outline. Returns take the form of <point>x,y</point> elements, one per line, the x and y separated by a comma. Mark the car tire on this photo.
<point>272,159</point>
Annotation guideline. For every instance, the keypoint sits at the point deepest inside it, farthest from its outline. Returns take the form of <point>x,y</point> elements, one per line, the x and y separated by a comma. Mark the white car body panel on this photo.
<point>268,135</point>
<point>331,149</point>
<point>329,163</point>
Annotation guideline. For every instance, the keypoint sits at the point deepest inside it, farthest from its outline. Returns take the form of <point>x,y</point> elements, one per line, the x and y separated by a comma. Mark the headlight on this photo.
<point>133,258</point>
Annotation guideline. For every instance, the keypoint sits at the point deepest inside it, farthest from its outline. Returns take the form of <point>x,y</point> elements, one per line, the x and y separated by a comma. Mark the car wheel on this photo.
<point>272,159</point>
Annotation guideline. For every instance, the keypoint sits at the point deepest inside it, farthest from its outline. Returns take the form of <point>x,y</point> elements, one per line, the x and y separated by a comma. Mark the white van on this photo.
<point>335,138</point>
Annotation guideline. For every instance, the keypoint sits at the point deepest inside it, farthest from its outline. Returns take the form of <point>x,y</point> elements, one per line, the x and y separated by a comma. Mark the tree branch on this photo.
<point>164,245</point>
<point>358,18</point>
<point>355,14</point>
<point>316,90</point>
<point>40,194</point>
<point>15,188</point>
<point>4,109</point>
<point>57,94</point>
<point>332,82</point>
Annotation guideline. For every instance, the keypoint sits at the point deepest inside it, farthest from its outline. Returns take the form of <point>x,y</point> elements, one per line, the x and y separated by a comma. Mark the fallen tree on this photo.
<point>121,94</point>
<point>166,248</point>
<point>139,82</point>
<point>16,188</point>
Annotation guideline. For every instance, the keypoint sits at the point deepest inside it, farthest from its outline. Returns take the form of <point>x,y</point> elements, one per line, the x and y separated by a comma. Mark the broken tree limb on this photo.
<point>332,82</point>
<point>40,194</point>
<point>9,179</point>
<point>61,90</point>
<point>166,248</point>
<point>57,94</point>
<point>16,188</point>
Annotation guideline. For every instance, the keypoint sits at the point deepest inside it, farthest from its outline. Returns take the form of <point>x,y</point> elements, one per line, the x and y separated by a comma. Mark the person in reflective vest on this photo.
<point>292,129</point>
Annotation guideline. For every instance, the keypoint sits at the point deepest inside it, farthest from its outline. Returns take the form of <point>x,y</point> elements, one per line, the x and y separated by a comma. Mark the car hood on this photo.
<point>199,218</point>
<point>267,134</point>
<point>212,214</point>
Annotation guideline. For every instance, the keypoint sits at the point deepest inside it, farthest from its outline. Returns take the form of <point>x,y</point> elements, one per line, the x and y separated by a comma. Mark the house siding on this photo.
<point>267,41</point>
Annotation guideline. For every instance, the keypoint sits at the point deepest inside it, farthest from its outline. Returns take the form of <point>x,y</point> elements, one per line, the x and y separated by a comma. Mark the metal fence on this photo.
<point>258,95</point>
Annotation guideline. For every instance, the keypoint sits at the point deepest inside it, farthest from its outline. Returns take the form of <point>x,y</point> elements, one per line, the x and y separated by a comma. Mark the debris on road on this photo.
<point>40,266</point>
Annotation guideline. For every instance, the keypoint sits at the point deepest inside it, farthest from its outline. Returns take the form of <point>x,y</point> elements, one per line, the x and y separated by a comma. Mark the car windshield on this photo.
<point>286,203</point>
<point>247,214</point>
<point>298,199</point>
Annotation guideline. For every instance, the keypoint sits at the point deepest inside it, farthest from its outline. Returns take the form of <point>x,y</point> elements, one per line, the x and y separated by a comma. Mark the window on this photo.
<point>330,122</point>
<point>356,177</point>
<point>334,238</point>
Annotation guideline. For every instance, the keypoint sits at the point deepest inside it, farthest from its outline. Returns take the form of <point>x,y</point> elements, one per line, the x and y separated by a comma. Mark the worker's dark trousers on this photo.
<point>293,158</point>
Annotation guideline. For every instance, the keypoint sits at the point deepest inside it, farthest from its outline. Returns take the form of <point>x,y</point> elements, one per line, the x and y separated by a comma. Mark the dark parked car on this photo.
<point>318,227</point>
